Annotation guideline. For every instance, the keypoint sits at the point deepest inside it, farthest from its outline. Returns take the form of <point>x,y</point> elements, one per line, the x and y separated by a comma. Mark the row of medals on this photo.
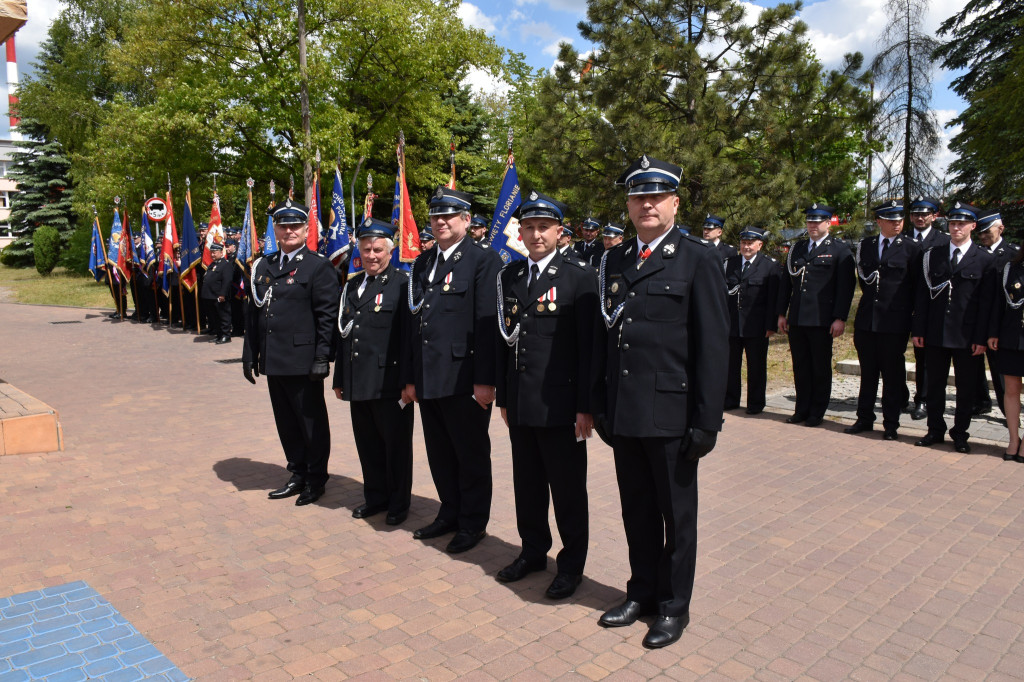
<point>552,306</point>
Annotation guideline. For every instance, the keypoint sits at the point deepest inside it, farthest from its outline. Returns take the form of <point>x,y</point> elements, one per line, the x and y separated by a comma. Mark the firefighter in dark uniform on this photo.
<point>216,292</point>
<point>374,322</point>
<point>549,307</point>
<point>923,212</point>
<point>478,229</point>
<point>663,360</point>
<point>951,318</point>
<point>1006,336</point>
<point>426,240</point>
<point>612,236</point>
<point>814,302</point>
<point>237,298</point>
<point>290,319</point>
<point>752,280</point>
<point>590,248</point>
<point>889,270</point>
<point>713,226</point>
<point>452,296</point>
<point>990,236</point>
<point>564,244</point>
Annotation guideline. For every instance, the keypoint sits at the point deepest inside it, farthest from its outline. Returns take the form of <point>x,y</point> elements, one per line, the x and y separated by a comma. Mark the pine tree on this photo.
<point>44,192</point>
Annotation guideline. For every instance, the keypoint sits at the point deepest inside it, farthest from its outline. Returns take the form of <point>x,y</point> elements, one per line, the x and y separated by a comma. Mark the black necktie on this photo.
<point>885,245</point>
<point>534,274</point>
<point>743,270</point>
<point>955,259</point>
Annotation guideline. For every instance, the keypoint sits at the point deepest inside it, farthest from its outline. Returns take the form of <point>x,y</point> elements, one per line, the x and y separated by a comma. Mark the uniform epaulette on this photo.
<point>772,259</point>
<point>699,240</point>
<point>483,245</point>
<point>581,264</point>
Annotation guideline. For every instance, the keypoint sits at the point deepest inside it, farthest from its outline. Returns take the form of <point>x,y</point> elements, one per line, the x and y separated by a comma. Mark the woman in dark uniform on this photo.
<point>1006,334</point>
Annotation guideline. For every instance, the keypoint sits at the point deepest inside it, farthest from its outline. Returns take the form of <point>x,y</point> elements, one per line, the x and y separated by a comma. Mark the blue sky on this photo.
<point>535,27</point>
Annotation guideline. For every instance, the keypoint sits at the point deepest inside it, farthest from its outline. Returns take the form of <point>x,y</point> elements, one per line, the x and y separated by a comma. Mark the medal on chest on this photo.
<point>549,297</point>
<point>378,299</point>
<point>447,282</point>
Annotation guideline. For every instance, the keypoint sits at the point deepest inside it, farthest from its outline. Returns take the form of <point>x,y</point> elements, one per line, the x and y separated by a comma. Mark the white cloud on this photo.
<point>481,80</point>
<point>944,156</point>
<point>578,6</point>
<point>471,15</point>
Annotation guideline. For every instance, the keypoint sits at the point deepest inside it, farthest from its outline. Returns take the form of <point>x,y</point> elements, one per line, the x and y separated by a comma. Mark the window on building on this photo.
<point>3,168</point>
<point>5,199</point>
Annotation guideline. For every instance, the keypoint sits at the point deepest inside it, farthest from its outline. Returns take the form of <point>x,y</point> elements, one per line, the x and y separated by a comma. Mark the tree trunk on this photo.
<point>307,166</point>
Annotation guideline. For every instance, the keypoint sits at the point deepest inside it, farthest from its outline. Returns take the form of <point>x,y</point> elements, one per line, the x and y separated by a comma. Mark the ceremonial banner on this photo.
<point>192,251</point>
<point>97,258</point>
<point>214,230</point>
<point>504,233</point>
<point>116,257</point>
<point>337,242</point>
<point>248,245</point>
<point>313,233</point>
<point>401,216</point>
<point>168,263</point>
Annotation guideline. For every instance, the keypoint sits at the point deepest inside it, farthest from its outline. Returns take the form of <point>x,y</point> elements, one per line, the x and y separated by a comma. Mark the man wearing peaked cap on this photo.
<point>590,247</point>
<point>452,297</point>
<point>662,368</point>
<point>216,294</point>
<point>990,236</point>
<point>713,226</point>
<point>288,337</point>
<point>814,302</point>
<point>426,240</point>
<point>478,229</point>
<point>888,268</point>
<point>611,236</point>
<point>951,318</point>
<point>374,324</point>
<point>923,212</point>
<point>752,280</point>
<point>548,309</point>
<point>565,242</point>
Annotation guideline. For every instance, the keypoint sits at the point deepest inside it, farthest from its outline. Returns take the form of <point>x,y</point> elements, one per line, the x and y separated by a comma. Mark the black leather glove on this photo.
<point>321,369</point>
<point>250,372</point>
<point>697,443</point>
<point>601,426</point>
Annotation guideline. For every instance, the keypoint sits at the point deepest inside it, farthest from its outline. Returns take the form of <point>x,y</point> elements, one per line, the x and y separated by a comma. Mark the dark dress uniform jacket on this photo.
<point>218,280</point>
<point>960,318</point>
<point>370,357</point>
<point>727,251</point>
<point>590,254</point>
<point>1007,324</point>
<point>297,322</point>
<point>934,238</point>
<point>752,311</point>
<point>667,355</point>
<point>1003,254</point>
<point>824,292</point>
<point>887,303</point>
<point>547,377</point>
<point>456,349</point>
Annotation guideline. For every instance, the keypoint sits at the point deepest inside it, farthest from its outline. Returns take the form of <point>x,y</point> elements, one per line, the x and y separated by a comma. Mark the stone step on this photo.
<point>27,425</point>
<point>853,367</point>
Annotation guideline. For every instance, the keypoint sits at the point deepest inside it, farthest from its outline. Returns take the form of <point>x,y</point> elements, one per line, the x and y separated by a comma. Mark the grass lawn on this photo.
<point>25,285</point>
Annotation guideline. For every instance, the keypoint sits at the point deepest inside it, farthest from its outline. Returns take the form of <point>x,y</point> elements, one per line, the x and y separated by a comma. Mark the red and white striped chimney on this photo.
<point>12,86</point>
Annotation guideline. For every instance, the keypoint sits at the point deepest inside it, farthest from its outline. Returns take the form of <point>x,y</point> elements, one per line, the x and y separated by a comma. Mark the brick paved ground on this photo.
<point>822,556</point>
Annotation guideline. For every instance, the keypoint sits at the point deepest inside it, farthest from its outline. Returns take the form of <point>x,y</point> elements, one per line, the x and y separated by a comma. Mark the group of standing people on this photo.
<point>637,354</point>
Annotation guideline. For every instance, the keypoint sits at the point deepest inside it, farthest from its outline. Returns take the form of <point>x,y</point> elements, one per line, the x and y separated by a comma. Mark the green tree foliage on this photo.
<point>986,43</point>
<point>212,86</point>
<point>756,122</point>
<point>46,248</point>
<point>44,191</point>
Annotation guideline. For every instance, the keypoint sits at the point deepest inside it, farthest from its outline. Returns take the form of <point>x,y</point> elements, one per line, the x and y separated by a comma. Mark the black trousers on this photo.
<point>459,455</point>
<point>881,356</point>
<point>811,348</point>
<point>237,326</point>
<point>658,492</point>
<point>756,350</point>
<point>965,366</point>
<point>145,301</point>
<point>219,316</point>
<point>997,379</point>
<point>921,376</point>
<point>301,416</point>
<point>383,436</point>
<point>546,458</point>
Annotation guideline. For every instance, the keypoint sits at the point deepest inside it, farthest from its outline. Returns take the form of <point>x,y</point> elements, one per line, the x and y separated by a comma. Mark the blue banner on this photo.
<point>97,260</point>
<point>337,241</point>
<point>504,234</point>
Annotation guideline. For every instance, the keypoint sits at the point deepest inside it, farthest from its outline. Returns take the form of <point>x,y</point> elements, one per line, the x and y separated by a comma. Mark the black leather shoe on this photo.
<point>223,339</point>
<point>519,569</point>
<point>813,421</point>
<point>982,408</point>
<point>290,488</point>
<point>464,540</point>
<point>665,630</point>
<point>731,406</point>
<point>625,613</point>
<point>396,518</point>
<point>928,440</point>
<point>309,496</point>
<point>1018,458</point>
<point>859,427</point>
<point>890,434</point>
<point>961,446</point>
<point>366,510</point>
<point>919,412</point>
<point>796,419</point>
<point>755,410</point>
<point>434,530</point>
<point>563,586</point>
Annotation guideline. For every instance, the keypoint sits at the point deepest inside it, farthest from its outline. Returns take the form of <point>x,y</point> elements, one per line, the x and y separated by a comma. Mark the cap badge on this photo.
<point>439,193</point>
<point>893,204</point>
<point>533,196</point>
<point>367,222</point>
<point>644,163</point>
<point>288,203</point>
<point>956,205</point>
<point>814,206</point>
